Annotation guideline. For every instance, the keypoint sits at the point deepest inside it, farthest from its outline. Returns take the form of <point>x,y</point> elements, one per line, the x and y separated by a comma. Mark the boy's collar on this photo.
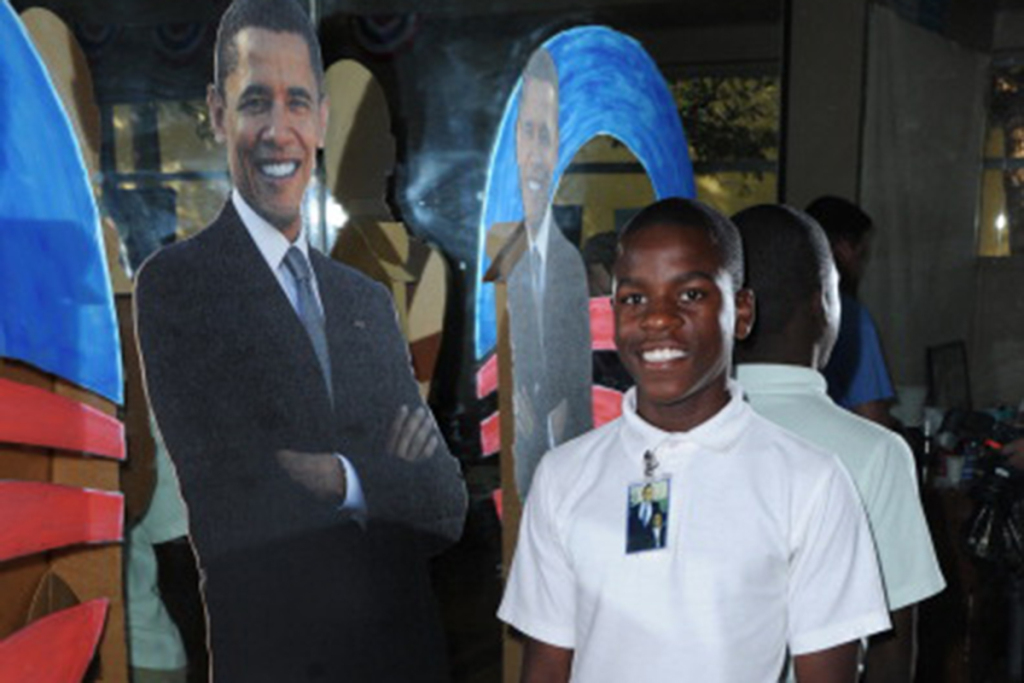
<point>717,434</point>
<point>779,378</point>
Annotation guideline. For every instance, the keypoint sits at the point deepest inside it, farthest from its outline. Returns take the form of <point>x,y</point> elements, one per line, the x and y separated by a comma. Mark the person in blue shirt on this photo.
<point>858,378</point>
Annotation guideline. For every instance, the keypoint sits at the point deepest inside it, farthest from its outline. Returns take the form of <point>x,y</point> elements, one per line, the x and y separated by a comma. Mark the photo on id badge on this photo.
<point>647,515</point>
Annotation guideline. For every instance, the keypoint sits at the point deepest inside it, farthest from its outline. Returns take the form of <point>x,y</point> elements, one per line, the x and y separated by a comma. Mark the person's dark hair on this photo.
<point>280,16</point>
<point>787,259</point>
<point>691,213</point>
<point>842,220</point>
<point>600,249</point>
<point>541,67</point>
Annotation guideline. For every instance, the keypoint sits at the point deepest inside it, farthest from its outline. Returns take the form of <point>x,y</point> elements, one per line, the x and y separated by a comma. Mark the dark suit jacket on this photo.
<point>295,591</point>
<point>554,364</point>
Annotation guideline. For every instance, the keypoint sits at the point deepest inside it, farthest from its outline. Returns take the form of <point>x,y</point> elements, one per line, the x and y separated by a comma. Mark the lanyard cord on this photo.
<point>650,464</point>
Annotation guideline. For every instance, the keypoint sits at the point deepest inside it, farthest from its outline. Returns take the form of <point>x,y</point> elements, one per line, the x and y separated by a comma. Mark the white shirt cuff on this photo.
<point>354,501</point>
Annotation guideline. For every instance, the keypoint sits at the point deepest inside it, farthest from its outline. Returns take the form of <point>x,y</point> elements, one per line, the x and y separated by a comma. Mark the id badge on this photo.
<point>647,515</point>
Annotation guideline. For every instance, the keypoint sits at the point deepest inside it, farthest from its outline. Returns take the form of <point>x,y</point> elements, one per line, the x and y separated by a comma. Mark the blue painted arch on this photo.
<point>608,85</point>
<point>56,304</point>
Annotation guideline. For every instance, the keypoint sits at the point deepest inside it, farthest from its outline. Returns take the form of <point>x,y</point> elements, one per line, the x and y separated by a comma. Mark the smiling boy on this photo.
<point>764,546</point>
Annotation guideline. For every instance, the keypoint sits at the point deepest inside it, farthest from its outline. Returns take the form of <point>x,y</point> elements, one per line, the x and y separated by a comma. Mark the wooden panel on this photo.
<point>19,578</point>
<point>18,582</point>
<point>17,371</point>
<point>511,505</point>
<point>56,649</point>
<point>90,572</point>
<point>95,572</point>
<point>138,472</point>
<point>25,463</point>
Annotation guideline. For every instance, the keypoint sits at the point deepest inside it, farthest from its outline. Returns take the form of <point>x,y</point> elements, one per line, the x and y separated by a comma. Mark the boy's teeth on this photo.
<point>280,170</point>
<point>663,355</point>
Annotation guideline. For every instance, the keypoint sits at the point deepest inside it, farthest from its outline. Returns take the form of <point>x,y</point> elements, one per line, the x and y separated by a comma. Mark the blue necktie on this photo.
<point>537,273</point>
<point>308,310</point>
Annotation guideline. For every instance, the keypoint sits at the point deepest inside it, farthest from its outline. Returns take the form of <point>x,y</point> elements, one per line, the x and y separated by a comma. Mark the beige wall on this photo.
<point>997,344</point>
<point>821,152</point>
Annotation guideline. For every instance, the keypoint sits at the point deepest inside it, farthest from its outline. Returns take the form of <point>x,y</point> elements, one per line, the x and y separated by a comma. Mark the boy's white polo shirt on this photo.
<point>767,547</point>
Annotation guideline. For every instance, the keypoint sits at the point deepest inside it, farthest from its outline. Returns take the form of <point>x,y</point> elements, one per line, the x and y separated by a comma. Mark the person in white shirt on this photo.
<point>791,270</point>
<point>765,546</point>
<point>157,649</point>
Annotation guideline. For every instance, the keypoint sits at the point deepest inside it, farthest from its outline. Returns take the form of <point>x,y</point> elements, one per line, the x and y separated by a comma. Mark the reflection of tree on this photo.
<point>1007,111</point>
<point>730,118</point>
<point>198,111</point>
<point>169,146</point>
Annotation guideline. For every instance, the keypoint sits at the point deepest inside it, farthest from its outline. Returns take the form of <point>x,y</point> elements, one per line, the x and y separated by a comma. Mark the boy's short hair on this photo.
<point>692,213</point>
<point>279,16</point>
<point>787,261</point>
<point>841,219</point>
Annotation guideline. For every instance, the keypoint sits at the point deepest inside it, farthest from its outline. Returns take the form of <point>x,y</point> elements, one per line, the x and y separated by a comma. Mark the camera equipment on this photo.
<point>995,531</point>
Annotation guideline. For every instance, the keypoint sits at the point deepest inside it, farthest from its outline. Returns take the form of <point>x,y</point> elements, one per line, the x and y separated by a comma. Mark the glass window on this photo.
<point>732,126</point>
<point>167,177</point>
<point>1001,220</point>
<point>732,123</point>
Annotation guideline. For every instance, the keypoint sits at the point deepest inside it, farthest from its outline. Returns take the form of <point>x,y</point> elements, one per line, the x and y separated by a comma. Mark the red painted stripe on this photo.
<point>36,417</point>
<point>490,434</point>
<point>602,324</point>
<point>38,517</point>
<point>607,404</point>
<point>498,497</point>
<point>56,648</point>
<point>487,377</point>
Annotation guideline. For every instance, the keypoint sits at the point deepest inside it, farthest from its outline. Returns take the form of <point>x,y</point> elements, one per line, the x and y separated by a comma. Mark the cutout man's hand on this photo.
<point>523,406</point>
<point>322,474</point>
<point>557,419</point>
<point>413,435</point>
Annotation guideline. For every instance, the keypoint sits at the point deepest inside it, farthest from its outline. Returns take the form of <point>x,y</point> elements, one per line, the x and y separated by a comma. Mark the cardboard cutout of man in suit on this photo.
<point>547,291</point>
<point>317,483</point>
<point>646,522</point>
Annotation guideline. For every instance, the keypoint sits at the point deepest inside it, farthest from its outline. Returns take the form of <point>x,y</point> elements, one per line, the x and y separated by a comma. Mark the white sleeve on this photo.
<point>166,517</point>
<point>835,592</point>
<point>909,568</point>
<point>355,501</point>
<point>540,597</point>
